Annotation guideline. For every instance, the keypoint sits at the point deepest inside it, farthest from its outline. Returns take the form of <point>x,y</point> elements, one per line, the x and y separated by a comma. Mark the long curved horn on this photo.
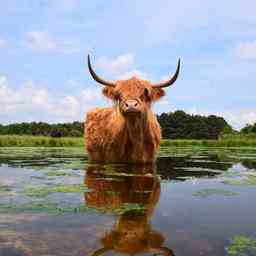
<point>96,77</point>
<point>170,81</point>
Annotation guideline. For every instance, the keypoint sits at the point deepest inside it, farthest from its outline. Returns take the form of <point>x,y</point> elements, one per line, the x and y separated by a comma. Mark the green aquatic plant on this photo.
<point>37,191</point>
<point>38,177</point>
<point>39,141</point>
<point>250,180</point>
<point>74,165</point>
<point>44,141</point>
<point>225,142</point>
<point>41,158</point>
<point>42,207</point>
<point>126,208</point>
<point>44,191</point>
<point>52,208</point>
<point>131,208</point>
<point>241,246</point>
<point>58,173</point>
<point>232,174</point>
<point>214,192</point>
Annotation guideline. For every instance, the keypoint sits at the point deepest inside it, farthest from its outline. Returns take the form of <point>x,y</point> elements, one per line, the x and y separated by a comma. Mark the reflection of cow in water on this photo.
<point>132,232</point>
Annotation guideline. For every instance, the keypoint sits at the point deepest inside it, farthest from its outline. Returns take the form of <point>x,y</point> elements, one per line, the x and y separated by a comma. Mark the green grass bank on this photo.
<point>39,141</point>
<point>43,141</point>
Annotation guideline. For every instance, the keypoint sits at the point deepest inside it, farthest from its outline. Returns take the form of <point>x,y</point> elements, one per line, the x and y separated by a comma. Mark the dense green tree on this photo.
<point>248,129</point>
<point>44,129</point>
<point>179,125</point>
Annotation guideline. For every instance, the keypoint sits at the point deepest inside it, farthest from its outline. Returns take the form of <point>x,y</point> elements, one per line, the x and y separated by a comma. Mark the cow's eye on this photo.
<point>117,96</point>
<point>146,94</point>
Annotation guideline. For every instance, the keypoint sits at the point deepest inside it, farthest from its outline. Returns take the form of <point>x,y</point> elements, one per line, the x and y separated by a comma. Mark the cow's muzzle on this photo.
<point>131,107</point>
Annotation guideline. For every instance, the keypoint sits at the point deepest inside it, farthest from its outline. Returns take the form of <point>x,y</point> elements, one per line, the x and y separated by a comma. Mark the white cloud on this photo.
<point>4,90</point>
<point>28,97</point>
<point>122,67</point>
<point>66,110</point>
<point>236,118</point>
<point>43,41</point>
<point>246,50</point>
<point>68,47</point>
<point>31,102</point>
<point>118,65</point>
<point>89,95</point>
<point>156,23</point>
<point>71,82</point>
<point>132,73</point>
<point>240,118</point>
<point>40,40</point>
<point>3,43</point>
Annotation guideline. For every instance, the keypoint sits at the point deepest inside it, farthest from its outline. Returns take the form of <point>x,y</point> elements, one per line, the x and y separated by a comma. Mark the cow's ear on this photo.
<point>157,93</point>
<point>108,92</point>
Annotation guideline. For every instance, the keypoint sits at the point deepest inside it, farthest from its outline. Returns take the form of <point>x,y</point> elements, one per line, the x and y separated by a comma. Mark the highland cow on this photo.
<point>128,131</point>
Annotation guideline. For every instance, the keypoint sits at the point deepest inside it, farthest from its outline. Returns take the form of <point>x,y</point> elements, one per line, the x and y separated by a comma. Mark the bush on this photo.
<point>56,134</point>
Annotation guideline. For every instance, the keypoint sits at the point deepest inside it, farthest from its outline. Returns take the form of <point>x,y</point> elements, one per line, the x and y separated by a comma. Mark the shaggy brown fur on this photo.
<point>113,135</point>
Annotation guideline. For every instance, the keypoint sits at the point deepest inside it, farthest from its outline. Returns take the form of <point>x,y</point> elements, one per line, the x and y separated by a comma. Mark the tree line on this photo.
<point>74,129</point>
<point>175,125</point>
<point>249,128</point>
<point>180,125</point>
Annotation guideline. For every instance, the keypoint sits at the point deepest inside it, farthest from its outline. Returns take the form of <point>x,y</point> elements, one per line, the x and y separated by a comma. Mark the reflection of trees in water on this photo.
<point>132,232</point>
<point>173,167</point>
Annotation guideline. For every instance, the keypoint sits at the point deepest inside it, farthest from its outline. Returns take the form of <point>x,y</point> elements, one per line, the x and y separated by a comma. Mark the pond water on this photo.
<point>193,201</point>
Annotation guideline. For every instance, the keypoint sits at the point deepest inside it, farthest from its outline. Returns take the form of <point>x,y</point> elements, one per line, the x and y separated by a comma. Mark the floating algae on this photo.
<point>74,165</point>
<point>44,191</point>
<point>248,181</point>
<point>241,246</point>
<point>132,208</point>
<point>214,192</point>
<point>53,208</point>
<point>41,207</point>
<point>58,173</point>
<point>126,208</point>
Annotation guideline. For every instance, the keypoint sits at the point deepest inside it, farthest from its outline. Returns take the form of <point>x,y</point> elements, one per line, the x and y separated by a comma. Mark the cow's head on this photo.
<point>133,96</point>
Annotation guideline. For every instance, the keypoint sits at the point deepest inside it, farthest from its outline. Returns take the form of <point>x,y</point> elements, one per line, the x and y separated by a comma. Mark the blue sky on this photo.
<point>43,45</point>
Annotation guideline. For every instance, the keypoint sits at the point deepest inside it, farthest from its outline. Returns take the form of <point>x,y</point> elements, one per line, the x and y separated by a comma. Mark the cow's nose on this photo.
<point>131,105</point>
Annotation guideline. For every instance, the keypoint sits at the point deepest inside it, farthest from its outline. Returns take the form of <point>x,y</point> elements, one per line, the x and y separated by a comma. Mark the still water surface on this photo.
<point>191,202</point>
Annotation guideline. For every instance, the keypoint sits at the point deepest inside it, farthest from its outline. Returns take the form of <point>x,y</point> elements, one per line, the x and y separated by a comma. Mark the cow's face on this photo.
<point>133,96</point>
